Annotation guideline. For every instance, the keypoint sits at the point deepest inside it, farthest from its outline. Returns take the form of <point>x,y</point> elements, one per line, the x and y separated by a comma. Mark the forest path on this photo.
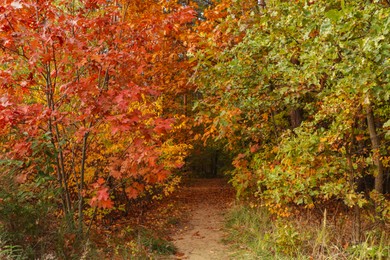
<point>204,201</point>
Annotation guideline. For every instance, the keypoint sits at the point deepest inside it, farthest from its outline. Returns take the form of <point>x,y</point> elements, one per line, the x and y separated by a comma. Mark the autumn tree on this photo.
<point>300,90</point>
<point>81,94</point>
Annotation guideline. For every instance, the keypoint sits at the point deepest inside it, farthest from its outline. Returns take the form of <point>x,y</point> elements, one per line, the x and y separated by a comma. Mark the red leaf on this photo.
<point>254,148</point>
<point>102,194</point>
<point>106,204</point>
<point>100,181</point>
<point>116,174</point>
<point>132,193</point>
<point>162,175</point>
<point>46,57</point>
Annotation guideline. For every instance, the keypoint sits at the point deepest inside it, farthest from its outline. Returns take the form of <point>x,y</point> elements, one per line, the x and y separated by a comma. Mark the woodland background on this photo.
<point>106,105</point>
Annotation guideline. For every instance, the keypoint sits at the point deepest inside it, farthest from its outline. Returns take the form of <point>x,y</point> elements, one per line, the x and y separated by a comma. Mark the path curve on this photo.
<point>206,201</point>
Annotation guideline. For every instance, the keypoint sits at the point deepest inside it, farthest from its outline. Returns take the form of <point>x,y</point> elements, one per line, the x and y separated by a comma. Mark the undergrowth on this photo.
<point>255,234</point>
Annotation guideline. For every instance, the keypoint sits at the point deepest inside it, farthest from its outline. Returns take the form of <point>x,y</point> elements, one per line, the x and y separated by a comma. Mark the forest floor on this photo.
<point>200,232</point>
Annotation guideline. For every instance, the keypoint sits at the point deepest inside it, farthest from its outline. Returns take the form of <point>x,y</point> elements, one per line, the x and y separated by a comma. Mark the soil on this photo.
<point>200,235</point>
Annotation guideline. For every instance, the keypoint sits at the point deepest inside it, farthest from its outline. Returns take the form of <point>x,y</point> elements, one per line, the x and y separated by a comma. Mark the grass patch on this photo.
<point>254,234</point>
<point>155,243</point>
<point>139,243</point>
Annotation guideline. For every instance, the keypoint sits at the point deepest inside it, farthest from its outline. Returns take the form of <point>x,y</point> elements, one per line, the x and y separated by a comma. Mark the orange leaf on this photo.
<point>132,193</point>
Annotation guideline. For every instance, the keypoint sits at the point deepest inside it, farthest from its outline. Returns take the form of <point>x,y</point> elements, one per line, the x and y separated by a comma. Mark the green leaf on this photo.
<point>334,15</point>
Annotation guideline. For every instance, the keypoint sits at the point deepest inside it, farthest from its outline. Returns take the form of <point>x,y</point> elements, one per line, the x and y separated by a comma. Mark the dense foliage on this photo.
<point>301,90</point>
<point>101,103</point>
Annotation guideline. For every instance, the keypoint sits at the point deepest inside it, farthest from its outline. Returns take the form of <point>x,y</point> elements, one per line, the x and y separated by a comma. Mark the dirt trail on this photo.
<point>205,201</point>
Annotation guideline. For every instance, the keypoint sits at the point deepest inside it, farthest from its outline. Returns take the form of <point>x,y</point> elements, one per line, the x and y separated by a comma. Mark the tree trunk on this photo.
<point>296,117</point>
<point>375,143</point>
<point>81,184</point>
